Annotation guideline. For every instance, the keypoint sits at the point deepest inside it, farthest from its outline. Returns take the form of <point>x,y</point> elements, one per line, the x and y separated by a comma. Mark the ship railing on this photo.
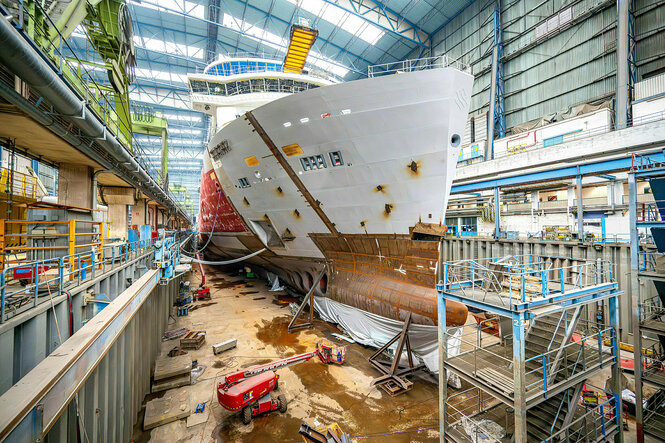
<point>309,70</point>
<point>417,64</point>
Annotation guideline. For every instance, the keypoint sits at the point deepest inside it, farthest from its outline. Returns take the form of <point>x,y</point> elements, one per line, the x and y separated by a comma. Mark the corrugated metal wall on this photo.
<point>557,53</point>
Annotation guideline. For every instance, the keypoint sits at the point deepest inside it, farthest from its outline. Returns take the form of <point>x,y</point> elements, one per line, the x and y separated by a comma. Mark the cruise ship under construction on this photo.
<point>332,221</point>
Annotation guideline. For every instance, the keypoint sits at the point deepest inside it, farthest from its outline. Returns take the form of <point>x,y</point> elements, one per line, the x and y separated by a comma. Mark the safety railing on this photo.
<point>510,207</point>
<point>521,148</point>
<point>18,184</point>
<point>25,285</point>
<point>592,201</point>
<point>651,211</point>
<point>641,198</point>
<point>648,118</point>
<point>553,204</point>
<point>475,416</point>
<point>26,241</point>
<point>515,280</point>
<point>651,261</point>
<point>417,64</point>
<point>488,358</point>
<point>596,422</point>
<point>654,415</point>
<point>651,307</point>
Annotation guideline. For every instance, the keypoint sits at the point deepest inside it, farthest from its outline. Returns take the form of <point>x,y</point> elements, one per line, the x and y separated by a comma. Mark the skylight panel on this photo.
<point>161,75</point>
<point>158,45</point>
<point>182,118</point>
<point>184,131</point>
<point>337,16</point>
<point>185,7</point>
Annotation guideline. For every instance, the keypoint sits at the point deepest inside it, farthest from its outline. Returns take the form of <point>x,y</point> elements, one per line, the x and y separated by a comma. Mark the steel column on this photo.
<point>580,211</point>
<point>443,379</point>
<point>519,374</point>
<point>616,366</point>
<point>497,213</point>
<point>623,82</point>
<point>635,303</point>
<point>496,125</point>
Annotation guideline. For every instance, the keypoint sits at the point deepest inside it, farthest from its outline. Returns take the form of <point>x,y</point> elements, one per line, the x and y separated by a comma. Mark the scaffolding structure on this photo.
<point>551,324</point>
<point>648,299</point>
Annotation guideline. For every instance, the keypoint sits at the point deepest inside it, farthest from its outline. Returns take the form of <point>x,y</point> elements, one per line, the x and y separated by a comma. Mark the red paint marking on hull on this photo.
<point>215,203</point>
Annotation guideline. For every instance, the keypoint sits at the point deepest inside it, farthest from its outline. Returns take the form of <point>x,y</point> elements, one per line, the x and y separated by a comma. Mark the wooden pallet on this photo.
<point>193,340</point>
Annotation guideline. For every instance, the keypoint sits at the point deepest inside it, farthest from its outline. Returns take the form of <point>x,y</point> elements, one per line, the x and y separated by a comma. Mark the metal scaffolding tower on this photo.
<point>551,324</point>
<point>648,297</point>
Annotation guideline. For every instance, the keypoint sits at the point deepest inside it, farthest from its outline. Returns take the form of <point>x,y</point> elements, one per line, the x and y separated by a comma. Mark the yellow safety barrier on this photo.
<point>23,185</point>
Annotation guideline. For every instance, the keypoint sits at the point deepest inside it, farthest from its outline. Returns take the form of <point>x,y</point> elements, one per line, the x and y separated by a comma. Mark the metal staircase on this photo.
<point>552,415</point>
<point>549,338</point>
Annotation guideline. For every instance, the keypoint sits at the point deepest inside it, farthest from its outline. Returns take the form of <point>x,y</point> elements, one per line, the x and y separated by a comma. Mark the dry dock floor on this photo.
<point>245,309</point>
<point>317,394</point>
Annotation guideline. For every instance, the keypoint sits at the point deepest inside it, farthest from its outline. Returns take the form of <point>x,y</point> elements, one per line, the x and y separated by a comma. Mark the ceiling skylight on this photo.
<point>161,75</point>
<point>339,17</point>
<point>158,45</point>
<point>189,8</point>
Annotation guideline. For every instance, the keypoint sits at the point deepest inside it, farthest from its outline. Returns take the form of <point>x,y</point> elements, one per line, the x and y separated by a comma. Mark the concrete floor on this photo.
<point>317,394</point>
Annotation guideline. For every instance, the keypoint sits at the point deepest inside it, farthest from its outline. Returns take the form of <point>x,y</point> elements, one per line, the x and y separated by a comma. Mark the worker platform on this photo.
<point>545,325</point>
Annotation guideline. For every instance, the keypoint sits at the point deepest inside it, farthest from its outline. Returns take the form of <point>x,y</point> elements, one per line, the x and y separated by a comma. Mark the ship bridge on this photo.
<point>230,86</point>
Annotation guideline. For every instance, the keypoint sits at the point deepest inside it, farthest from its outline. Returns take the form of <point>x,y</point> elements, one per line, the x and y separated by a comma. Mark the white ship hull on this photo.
<point>397,138</point>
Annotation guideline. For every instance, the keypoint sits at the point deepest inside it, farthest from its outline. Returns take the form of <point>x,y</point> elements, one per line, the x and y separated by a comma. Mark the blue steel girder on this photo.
<point>595,168</point>
<point>632,66</point>
<point>499,112</point>
<point>384,18</point>
<point>267,43</point>
<point>451,18</point>
<point>160,99</point>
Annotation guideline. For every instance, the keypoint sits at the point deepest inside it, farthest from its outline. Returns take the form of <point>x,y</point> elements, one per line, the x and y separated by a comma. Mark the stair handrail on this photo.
<point>566,433</point>
<point>558,412</point>
<point>549,346</point>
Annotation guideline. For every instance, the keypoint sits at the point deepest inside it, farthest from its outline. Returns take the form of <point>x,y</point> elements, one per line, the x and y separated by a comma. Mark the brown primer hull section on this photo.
<point>388,275</point>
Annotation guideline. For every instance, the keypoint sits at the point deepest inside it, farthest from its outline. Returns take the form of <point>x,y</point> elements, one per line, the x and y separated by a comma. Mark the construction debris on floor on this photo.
<point>252,331</point>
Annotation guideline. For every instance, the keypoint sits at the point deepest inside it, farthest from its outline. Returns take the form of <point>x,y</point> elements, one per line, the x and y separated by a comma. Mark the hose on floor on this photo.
<point>225,262</point>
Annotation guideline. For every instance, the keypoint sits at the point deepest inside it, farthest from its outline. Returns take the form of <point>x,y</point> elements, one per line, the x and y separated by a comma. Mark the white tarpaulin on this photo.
<point>374,330</point>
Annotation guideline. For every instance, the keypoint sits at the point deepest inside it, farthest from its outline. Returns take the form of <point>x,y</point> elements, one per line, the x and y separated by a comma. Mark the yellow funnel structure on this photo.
<point>302,39</point>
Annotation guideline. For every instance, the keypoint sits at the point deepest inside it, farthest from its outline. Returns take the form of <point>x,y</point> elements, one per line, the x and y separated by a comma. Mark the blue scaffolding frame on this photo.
<point>523,307</point>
